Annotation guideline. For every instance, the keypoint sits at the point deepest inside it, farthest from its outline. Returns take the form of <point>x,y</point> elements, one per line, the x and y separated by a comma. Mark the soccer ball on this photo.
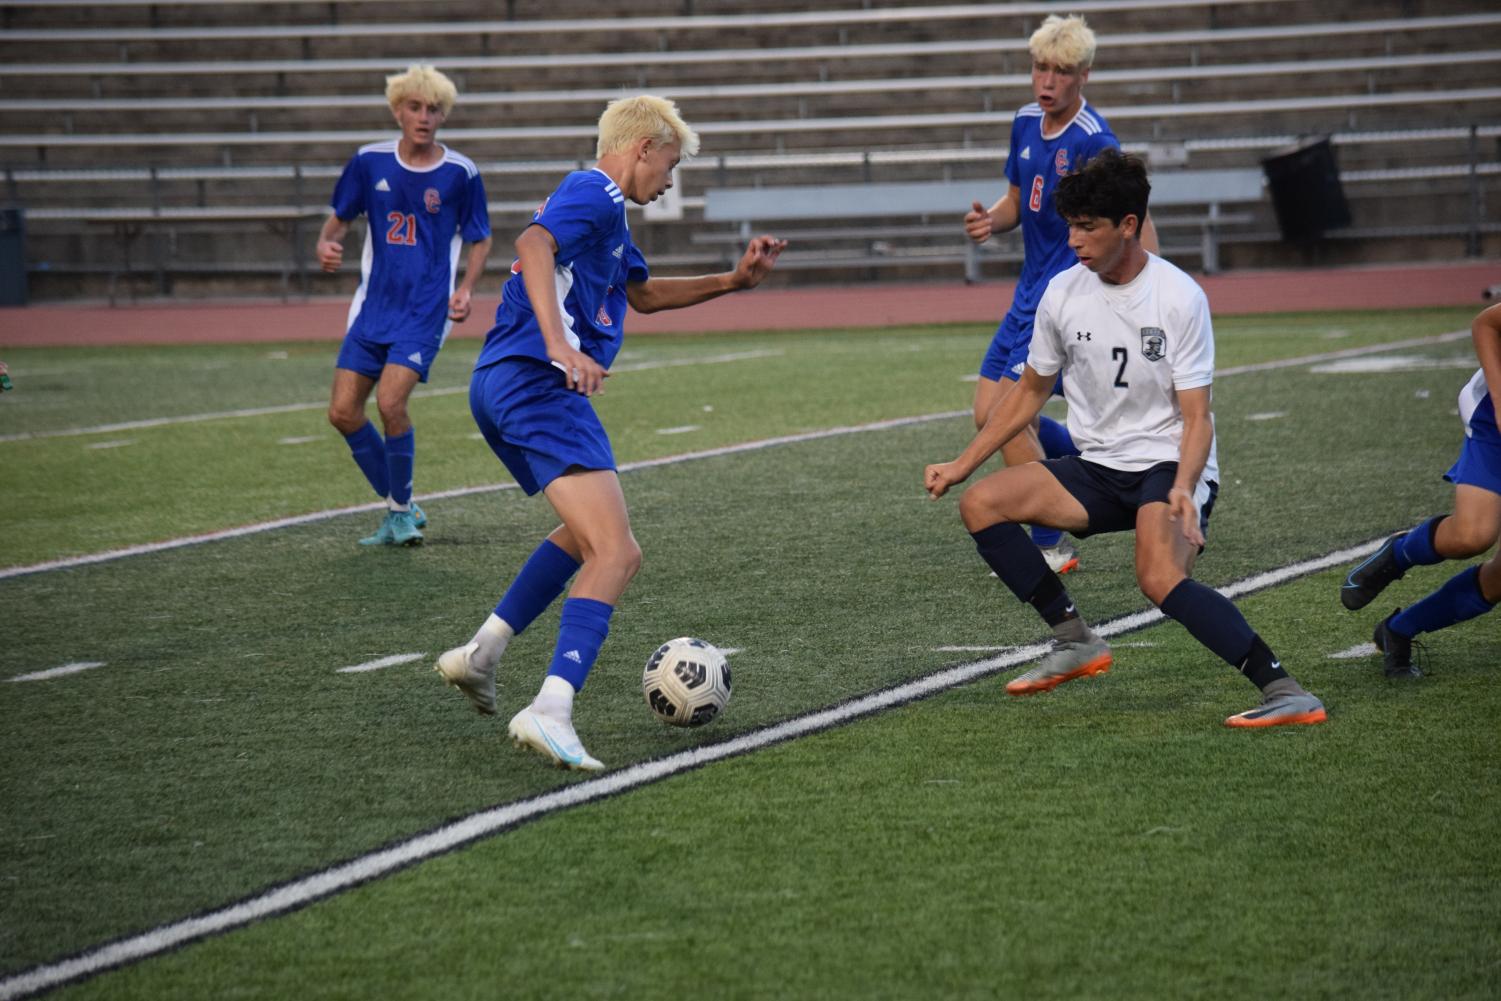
<point>686,682</point>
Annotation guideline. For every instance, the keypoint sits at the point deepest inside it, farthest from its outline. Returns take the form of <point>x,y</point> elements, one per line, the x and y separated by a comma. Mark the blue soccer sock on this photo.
<point>1056,443</point>
<point>1055,439</point>
<point>1416,547</point>
<point>581,633</point>
<point>401,456</point>
<point>1458,600</point>
<point>1213,620</point>
<point>369,452</point>
<point>541,579</point>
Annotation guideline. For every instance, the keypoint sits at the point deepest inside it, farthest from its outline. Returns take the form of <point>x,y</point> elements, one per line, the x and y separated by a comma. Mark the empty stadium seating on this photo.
<point>190,147</point>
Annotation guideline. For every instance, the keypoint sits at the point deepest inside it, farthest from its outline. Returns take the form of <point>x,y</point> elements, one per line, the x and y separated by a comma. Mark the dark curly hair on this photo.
<point>1111,186</point>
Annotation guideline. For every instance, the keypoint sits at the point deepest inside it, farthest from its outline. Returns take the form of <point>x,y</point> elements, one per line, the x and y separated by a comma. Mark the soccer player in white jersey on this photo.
<point>1058,132</point>
<point>1473,528</point>
<point>421,201</point>
<point>1131,334</point>
<point>556,333</point>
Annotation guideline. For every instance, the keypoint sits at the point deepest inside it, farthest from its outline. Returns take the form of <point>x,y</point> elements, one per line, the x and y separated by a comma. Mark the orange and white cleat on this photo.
<point>1067,661</point>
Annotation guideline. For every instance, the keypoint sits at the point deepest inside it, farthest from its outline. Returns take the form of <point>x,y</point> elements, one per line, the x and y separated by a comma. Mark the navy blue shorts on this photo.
<point>1111,497</point>
<point>535,424</point>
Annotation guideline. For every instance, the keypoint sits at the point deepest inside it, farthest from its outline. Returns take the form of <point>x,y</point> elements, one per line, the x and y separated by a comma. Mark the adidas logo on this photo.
<point>618,251</point>
<point>573,655</point>
<point>1026,155</point>
<point>381,185</point>
<point>415,356</point>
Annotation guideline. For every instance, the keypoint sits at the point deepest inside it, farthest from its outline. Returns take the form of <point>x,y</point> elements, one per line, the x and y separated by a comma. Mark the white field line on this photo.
<point>376,665</point>
<point>268,526</point>
<point>289,408</point>
<point>58,672</point>
<point>305,519</point>
<point>487,823</point>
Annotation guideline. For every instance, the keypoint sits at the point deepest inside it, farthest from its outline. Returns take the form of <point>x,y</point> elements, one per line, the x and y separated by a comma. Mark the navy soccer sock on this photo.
<point>401,456</point>
<point>1016,561</point>
<point>582,631</point>
<point>1213,620</point>
<point>541,579</point>
<point>369,451</point>
<point>1458,600</point>
<point>1416,547</point>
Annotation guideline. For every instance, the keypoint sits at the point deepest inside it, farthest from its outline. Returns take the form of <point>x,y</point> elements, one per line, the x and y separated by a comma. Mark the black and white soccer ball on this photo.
<point>686,682</point>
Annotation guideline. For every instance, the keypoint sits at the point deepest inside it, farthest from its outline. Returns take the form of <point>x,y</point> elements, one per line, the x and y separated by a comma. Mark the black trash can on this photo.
<point>1306,193</point>
<point>12,256</point>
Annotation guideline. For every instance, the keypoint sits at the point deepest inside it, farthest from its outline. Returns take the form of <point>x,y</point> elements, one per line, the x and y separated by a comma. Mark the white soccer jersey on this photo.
<point>1125,350</point>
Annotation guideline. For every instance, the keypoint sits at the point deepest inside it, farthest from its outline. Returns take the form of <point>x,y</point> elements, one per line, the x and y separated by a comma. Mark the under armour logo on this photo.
<point>1083,335</point>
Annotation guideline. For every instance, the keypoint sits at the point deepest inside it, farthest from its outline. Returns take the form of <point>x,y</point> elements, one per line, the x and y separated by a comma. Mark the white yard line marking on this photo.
<point>290,408</point>
<point>376,665</point>
<point>1355,652</point>
<point>972,649</point>
<point>305,519</point>
<point>456,834</point>
<point>58,672</point>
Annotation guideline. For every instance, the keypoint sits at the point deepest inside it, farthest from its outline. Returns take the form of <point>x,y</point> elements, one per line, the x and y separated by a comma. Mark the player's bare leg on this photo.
<point>1025,447</point>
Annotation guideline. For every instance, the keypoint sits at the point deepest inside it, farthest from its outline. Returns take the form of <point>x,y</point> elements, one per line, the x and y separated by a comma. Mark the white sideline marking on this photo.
<point>972,649</point>
<point>305,519</point>
<point>1396,363</point>
<point>289,408</point>
<point>1356,651</point>
<point>267,526</point>
<point>680,429</point>
<point>1270,415</point>
<point>376,665</point>
<point>117,443</point>
<point>300,439</point>
<point>58,672</point>
<point>487,823</point>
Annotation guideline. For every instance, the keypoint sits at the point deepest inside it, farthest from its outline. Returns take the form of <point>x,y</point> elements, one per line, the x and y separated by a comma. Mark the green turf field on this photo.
<point>1110,839</point>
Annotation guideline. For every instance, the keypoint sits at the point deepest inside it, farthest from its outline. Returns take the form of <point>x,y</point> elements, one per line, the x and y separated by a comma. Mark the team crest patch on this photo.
<point>1060,162</point>
<point>1153,343</point>
<point>432,200</point>
<point>603,319</point>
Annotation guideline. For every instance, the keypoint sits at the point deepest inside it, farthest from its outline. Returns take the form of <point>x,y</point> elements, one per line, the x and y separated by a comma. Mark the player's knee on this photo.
<point>1157,583</point>
<point>345,419</point>
<point>1469,538</point>
<point>975,510</point>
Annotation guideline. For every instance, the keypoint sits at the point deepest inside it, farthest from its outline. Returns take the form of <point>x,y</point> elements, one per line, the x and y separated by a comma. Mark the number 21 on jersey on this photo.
<point>403,230</point>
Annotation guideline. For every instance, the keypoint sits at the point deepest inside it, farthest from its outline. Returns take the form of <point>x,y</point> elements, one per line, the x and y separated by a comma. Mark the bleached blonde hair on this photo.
<point>426,84</point>
<point>1065,42</point>
<point>644,117</point>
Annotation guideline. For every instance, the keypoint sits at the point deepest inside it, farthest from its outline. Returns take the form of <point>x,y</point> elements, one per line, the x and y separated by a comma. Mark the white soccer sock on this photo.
<point>555,698</point>
<point>491,641</point>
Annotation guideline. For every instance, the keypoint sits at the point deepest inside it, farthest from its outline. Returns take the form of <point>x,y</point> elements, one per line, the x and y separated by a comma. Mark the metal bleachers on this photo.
<point>212,120</point>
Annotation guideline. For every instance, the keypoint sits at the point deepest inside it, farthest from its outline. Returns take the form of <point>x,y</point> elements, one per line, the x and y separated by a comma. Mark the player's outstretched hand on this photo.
<point>584,374</point>
<point>977,223</point>
<point>759,258</point>
<point>458,305</point>
<point>330,254</point>
<point>1183,510</point>
<point>938,477</point>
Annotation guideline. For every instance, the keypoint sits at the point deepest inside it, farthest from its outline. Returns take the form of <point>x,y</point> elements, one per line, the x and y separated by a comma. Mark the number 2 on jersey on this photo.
<point>403,229</point>
<point>1120,354</point>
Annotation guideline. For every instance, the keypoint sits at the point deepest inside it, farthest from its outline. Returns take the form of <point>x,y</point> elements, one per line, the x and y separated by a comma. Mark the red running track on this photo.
<point>877,305</point>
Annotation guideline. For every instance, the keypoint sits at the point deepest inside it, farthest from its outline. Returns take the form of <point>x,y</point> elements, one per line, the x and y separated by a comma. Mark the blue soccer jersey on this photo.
<point>418,219</point>
<point>595,260</point>
<point>1034,165</point>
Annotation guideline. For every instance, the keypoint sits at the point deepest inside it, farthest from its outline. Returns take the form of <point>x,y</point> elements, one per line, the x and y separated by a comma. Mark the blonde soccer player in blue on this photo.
<point>556,333</point>
<point>422,201</point>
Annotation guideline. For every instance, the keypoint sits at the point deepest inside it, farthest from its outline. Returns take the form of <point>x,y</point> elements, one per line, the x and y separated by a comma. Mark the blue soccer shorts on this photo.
<point>1479,464</point>
<point>370,359</point>
<point>535,424</point>
<point>1007,354</point>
